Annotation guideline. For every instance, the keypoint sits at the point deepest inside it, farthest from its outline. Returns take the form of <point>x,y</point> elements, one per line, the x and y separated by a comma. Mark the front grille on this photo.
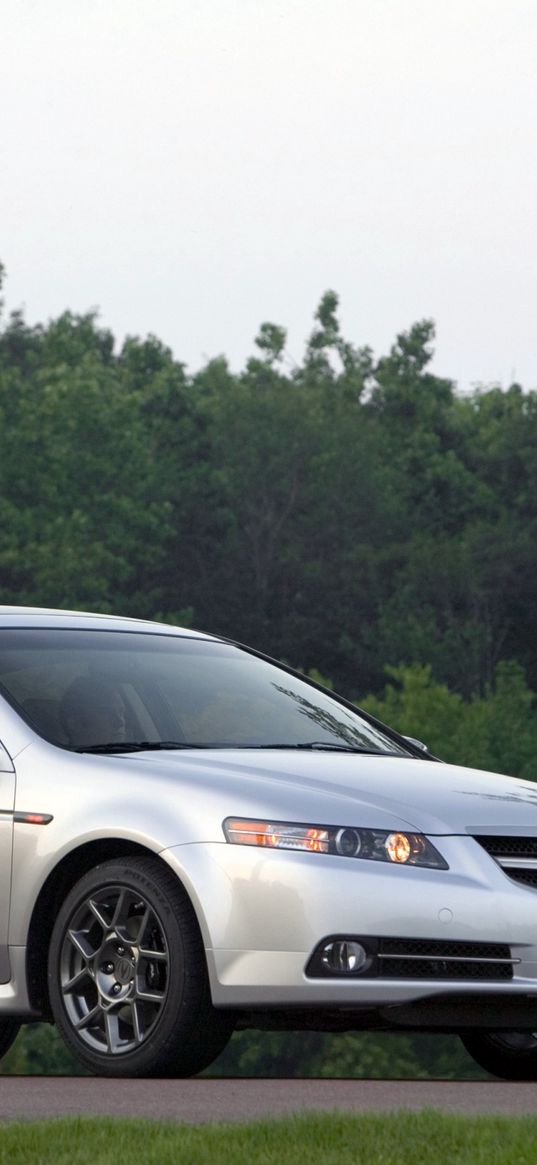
<point>434,959</point>
<point>517,856</point>
<point>508,847</point>
<point>527,877</point>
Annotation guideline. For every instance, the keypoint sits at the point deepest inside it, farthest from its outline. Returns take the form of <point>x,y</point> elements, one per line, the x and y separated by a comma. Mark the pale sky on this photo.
<point>195,167</point>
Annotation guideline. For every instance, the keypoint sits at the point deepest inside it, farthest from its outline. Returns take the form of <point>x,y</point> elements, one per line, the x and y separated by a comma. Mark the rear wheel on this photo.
<point>127,975</point>
<point>509,1055</point>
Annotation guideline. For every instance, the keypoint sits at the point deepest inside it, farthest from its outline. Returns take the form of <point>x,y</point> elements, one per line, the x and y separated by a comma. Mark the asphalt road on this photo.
<point>201,1101</point>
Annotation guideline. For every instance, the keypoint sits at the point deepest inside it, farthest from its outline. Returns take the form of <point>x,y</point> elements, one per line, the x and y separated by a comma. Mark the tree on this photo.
<point>496,731</point>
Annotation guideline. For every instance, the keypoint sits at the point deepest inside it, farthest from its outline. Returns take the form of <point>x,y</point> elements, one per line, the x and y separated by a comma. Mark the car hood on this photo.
<point>340,789</point>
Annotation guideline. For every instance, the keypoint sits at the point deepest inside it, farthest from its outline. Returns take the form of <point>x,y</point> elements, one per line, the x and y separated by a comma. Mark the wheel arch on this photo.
<point>60,881</point>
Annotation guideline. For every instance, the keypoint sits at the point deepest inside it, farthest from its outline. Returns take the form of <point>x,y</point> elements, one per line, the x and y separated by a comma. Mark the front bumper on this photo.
<point>263,912</point>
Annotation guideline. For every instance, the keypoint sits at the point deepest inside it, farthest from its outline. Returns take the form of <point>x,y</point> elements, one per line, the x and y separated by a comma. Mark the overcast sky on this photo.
<point>195,167</point>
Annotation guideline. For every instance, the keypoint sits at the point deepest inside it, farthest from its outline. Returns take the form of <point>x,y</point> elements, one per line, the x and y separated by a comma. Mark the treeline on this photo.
<point>341,514</point>
<point>39,1050</point>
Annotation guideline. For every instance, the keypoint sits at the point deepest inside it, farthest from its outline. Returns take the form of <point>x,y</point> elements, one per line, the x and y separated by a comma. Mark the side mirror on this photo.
<point>417,743</point>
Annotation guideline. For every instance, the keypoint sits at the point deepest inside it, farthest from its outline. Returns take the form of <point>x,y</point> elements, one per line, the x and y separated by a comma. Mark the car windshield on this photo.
<point>116,691</point>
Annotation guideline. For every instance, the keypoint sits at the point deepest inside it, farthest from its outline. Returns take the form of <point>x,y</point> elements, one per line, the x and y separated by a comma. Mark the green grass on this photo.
<point>424,1138</point>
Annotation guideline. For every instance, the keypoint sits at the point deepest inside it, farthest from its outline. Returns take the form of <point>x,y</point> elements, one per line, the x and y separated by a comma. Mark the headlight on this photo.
<point>378,845</point>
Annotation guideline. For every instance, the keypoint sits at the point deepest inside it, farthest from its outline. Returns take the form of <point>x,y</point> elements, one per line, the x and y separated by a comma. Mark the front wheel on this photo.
<point>127,975</point>
<point>509,1055</point>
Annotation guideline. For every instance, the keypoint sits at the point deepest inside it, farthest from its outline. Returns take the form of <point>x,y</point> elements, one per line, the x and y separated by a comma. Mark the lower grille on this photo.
<point>420,959</point>
<point>366,957</point>
<point>439,968</point>
<point>517,856</point>
<point>437,948</point>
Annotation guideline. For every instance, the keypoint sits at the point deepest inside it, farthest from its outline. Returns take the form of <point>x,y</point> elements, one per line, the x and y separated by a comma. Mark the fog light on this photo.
<point>343,957</point>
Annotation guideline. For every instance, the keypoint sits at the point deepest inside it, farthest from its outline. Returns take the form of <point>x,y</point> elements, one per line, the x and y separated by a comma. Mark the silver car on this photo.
<point>197,839</point>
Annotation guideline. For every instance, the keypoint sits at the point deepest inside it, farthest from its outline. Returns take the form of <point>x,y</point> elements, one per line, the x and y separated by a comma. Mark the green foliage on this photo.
<point>271,340</point>
<point>356,1055</point>
<point>39,1051</point>
<point>341,514</point>
<point>317,678</point>
<point>496,731</point>
<point>336,1138</point>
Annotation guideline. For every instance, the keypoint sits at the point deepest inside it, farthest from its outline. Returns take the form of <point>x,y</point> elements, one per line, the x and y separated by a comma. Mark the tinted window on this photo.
<point>85,688</point>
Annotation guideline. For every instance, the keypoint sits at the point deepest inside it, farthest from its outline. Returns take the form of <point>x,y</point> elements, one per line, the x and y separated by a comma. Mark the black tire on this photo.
<point>508,1055</point>
<point>9,1030</point>
<point>127,975</point>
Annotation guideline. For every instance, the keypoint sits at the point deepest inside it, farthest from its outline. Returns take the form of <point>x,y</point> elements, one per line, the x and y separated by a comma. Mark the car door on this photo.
<point>7,802</point>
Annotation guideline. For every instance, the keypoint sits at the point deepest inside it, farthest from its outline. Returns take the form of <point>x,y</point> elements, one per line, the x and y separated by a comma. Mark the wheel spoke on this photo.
<point>111,1025</point>
<point>137,1026</point>
<point>117,917</point>
<point>151,996</point>
<point>81,943</point>
<point>90,1017</point>
<point>97,911</point>
<point>71,985</point>
<point>143,924</point>
<point>154,956</point>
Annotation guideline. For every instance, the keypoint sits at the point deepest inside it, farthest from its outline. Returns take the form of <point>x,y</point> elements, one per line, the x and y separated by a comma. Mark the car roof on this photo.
<point>44,617</point>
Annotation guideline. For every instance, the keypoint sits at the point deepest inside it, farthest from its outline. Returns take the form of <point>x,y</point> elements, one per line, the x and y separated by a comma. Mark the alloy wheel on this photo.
<point>114,970</point>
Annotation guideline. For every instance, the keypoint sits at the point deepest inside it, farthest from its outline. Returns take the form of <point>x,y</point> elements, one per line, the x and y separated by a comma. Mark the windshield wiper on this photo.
<point>157,745</point>
<point>137,746</point>
<point>322,746</point>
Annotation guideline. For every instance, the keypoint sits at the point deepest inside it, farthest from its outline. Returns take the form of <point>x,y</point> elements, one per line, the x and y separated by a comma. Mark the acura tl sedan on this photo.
<point>196,839</point>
